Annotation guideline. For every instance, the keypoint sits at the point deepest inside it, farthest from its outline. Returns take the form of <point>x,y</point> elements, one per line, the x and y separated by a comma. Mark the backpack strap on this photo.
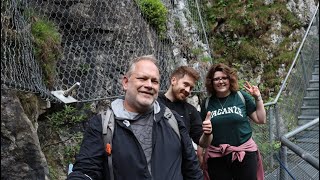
<point>207,102</point>
<point>172,121</point>
<point>242,98</point>
<point>107,118</point>
<point>108,123</point>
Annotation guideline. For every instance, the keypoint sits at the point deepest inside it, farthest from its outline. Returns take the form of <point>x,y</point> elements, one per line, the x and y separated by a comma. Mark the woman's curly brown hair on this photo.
<point>230,72</point>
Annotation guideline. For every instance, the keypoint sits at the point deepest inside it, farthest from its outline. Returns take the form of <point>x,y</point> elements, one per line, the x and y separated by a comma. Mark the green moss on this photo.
<point>250,51</point>
<point>270,77</point>
<point>53,172</point>
<point>206,59</point>
<point>197,51</point>
<point>237,26</point>
<point>47,47</point>
<point>218,47</point>
<point>287,17</point>
<point>177,25</point>
<point>155,13</point>
<point>284,58</point>
<point>47,44</point>
<point>287,42</point>
<point>29,104</point>
<point>220,60</point>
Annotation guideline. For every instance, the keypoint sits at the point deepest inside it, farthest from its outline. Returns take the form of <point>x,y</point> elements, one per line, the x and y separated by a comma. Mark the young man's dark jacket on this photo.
<point>189,113</point>
<point>172,158</point>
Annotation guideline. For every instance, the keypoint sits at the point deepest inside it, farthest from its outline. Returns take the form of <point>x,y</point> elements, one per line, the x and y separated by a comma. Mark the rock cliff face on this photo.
<point>21,155</point>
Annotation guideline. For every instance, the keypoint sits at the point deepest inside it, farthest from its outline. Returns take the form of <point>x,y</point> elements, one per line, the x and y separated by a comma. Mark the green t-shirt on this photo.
<point>230,124</point>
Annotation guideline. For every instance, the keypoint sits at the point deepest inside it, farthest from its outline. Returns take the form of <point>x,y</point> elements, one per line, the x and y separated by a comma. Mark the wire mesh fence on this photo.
<point>308,142</point>
<point>300,160</point>
<point>297,105</point>
<point>51,45</point>
<point>19,70</point>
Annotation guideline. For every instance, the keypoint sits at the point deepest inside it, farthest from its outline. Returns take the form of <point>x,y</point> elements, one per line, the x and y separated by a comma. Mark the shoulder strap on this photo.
<point>207,102</point>
<point>107,119</point>
<point>242,98</point>
<point>172,121</point>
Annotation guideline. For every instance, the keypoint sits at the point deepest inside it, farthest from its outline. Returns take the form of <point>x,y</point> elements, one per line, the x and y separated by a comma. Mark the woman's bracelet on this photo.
<point>259,98</point>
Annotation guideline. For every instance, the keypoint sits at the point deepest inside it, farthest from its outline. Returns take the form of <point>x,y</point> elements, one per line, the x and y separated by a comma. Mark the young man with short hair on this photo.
<point>182,81</point>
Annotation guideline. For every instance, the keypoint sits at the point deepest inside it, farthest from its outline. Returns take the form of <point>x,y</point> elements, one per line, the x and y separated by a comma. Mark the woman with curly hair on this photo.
<point>233,154</point>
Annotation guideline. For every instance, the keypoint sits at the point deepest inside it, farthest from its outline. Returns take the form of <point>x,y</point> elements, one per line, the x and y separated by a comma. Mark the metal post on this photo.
<point>278,135</point>
<point>69,91</point>
<point>317,20</point>
<point>304,71</point>
<point>278,131</point>
<point>271,133</point>
<point>283,159</point>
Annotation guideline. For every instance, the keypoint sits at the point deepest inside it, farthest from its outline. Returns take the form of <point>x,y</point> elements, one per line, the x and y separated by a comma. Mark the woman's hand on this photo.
<point>259,116</point>
<point>253,90</point>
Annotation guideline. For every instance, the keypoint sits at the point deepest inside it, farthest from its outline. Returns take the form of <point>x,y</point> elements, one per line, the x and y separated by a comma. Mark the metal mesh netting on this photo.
<point>18,67</point>
<point>299,101</point>
<point>51,45</point>
<point>299,168</point>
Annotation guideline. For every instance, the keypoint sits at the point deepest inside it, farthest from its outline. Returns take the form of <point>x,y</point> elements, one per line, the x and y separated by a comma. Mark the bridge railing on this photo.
<point>283,112</point>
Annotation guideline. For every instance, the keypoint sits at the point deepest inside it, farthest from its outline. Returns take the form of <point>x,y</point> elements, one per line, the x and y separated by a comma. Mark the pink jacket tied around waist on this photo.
<point>238,152</point>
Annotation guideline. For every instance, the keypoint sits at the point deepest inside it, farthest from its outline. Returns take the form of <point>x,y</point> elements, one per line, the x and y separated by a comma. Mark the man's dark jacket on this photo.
<point>172,158</point>
<point>191,116</point>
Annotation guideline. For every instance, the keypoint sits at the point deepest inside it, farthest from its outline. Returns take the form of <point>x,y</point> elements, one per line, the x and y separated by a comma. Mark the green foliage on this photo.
<point>284,58</point>
<point>241,83</point>
<point>261,135</point>
<point>276,145</point>
<point>177,25</point>
<point>265,148</point>
<point>197,51</point>
<point>287,16</point>
<point>250,51</point>
<point>67,117</point>
<point>271,78</point>
<point>71,151</point>
<point>53,173</point>
<point>45,30</point>
<point>240,31</point>
<point>206,59</point>
<point>82,69</point>
<point>47,45</point>
<point>222,3</point>
<point>155,13</point>
<point>219,48</point>
<point>220,60</point>
<point>61,136</point>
